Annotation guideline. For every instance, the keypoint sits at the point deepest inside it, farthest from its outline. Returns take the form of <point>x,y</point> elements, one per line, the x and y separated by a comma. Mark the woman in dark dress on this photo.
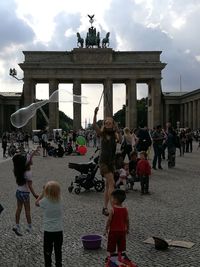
<point>109,135</point>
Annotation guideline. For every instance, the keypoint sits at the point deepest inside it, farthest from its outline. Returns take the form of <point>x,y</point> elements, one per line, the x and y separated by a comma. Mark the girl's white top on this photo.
<point>28,177</point>
<point>52,215</point>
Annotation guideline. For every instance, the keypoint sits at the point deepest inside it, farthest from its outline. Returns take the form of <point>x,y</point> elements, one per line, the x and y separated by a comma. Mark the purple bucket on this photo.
<point>91,241</point>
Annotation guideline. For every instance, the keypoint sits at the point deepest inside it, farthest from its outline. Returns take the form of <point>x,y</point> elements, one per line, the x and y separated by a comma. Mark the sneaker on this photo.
<point>29,230</point>
<point>17,231</point>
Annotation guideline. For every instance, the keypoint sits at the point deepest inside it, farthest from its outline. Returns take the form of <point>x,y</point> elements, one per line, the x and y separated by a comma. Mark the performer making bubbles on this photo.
<point>110,135</point>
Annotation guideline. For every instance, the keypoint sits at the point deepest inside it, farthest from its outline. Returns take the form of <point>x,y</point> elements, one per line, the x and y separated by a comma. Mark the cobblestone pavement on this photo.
<point>171,212</point>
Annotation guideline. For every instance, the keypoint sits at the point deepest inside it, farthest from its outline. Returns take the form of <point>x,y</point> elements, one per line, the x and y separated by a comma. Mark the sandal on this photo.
<point>105,211</point>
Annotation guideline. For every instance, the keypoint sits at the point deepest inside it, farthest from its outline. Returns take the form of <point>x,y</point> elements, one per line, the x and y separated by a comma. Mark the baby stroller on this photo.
<point>86,179</point>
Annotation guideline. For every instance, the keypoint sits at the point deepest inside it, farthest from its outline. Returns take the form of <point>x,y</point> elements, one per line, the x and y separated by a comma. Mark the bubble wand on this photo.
<point>100,98</point>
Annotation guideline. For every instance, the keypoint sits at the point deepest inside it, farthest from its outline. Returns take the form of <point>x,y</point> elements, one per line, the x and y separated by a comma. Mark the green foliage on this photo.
<point>142,112</point>
<point>65,122</point>
<point>119,116</point>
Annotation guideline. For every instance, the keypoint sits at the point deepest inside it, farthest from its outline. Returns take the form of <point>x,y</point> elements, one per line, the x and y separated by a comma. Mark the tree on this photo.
<point>119,116</point>
<point>65,122</point>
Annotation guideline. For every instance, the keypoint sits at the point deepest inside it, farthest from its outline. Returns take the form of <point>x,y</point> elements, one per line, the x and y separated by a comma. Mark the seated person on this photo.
<point>119,161</point>
<point>133,165</point>
<point>51,150</point>
<point>60,151</point>
<point>68,149</point>
<point>123,175</point>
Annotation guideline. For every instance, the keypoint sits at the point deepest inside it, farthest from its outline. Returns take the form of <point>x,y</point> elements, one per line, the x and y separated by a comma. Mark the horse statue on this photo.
<point>80,40</point>
<point>98,39</point>
<point>105,41</point>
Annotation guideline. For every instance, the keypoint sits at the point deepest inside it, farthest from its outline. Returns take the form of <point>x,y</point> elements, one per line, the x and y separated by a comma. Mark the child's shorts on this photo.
<point>116,239</point>
<point>22,196</point>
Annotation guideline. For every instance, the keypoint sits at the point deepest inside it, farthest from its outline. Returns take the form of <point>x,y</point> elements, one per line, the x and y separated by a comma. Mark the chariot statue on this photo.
<point>92,38</point>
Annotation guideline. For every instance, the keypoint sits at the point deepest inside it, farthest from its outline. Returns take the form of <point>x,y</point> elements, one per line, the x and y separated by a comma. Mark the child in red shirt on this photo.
<point>143,170</point>
<point>117,224</point>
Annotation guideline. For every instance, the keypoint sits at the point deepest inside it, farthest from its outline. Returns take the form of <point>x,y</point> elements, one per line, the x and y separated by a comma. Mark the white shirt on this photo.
<point>122,173</point>
<point>28,177</point>
<point>44,137</point>
<point>52,215</point>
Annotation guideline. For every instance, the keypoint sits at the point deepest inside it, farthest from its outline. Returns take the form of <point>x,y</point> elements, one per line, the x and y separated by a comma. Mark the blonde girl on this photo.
<point>129,142</point>
<point>50,202</point>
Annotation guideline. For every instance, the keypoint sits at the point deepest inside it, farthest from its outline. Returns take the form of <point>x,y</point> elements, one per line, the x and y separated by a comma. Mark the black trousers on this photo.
<point>144,182</point>
<point>157,155</point>
<point>53,240</point>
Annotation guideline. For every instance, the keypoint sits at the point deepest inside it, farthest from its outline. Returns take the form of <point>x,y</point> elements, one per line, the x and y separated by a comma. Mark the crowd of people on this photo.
<point>131,164</point>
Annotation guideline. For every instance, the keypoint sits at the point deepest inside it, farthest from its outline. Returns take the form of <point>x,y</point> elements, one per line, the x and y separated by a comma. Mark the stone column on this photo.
<point>1,118</point>
<point>185,124</point>
<point>76,106</point>
<point>198,114</point>
<point>181,115</point>
<point>53,107</point>
<point>194,115</point>
<point>150,126</point>
<point>29,98</point>
<point>108,98</point>
<point>131,104</point>
<point>166,113</point>
<point>190,114</point>
<point>156,103</point>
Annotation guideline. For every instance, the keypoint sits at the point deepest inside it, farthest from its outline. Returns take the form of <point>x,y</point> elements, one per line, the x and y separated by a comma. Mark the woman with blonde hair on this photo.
<point>129,141</point>
<point>109,135</point>
<point>50,202</point>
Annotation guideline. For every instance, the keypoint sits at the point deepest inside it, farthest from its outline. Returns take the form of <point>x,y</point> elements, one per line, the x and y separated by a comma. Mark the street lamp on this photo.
<point>13,73</point>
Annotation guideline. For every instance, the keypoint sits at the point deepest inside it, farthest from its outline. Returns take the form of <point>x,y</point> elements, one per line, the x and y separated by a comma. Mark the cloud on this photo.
<point>170,26</point>
<point>13,31</point>
<point>140,27</point>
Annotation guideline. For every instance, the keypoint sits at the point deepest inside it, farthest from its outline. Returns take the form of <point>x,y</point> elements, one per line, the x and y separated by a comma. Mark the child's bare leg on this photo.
<point>108,188</point>
<point>18,211</point>
<point>27,211</point>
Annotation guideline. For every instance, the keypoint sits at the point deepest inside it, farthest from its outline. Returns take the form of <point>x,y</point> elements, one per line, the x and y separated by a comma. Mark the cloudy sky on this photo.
<point>135,25</point>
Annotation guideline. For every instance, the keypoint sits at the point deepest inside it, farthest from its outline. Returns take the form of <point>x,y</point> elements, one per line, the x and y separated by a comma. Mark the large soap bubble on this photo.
<point>21,117</point>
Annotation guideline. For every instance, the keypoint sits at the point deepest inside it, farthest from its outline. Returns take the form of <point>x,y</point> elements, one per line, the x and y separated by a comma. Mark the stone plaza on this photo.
<point>171,211</point>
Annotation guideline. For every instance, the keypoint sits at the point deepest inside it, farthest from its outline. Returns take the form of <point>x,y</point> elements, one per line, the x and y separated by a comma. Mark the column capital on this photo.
<point>53,82</point>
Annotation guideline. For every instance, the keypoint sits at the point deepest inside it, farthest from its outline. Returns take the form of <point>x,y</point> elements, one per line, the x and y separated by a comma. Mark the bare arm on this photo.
<point>33,153</point>
<point>127,223</point>
<point>31,189</point>
<point>39,198</point>
<point>109,221</point>
<point>95,126</point>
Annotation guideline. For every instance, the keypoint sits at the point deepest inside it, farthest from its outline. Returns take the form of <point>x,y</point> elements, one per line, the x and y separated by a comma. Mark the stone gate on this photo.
<point>95,65</point>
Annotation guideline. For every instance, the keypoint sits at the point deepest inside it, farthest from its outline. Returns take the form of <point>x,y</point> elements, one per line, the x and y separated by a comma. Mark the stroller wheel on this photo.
<point>99,186</point>
<point>70,188</point>
<point>77,190</point>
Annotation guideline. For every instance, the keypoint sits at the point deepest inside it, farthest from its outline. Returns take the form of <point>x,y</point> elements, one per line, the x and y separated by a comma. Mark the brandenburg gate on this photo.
<point>95,65</point>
